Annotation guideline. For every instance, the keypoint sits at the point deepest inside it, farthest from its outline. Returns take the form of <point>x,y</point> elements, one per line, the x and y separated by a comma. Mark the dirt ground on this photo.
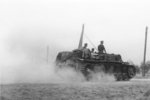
<point>136,89</point>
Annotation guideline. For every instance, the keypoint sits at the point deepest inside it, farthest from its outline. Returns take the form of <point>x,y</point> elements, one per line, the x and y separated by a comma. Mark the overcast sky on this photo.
<point>28,25</point>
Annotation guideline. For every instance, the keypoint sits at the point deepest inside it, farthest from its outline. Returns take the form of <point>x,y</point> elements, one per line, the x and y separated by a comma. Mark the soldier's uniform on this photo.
<point>86,53</point>
<point>101,48</point>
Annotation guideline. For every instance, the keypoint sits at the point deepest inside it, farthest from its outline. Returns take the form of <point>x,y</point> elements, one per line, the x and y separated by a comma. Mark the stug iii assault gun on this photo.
<point>111,64</point>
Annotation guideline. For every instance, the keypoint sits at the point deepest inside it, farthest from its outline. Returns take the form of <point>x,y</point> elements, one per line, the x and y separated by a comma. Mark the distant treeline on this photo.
<point>146,66</point>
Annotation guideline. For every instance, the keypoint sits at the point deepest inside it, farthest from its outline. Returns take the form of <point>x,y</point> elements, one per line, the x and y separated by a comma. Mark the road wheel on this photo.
<point>118,76</point>
<point>99,68</point>
<point>131,72</point>
<point>125,77</point>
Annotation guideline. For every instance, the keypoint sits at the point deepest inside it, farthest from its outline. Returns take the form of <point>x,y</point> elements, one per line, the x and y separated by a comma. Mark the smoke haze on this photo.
<point>25,60</point>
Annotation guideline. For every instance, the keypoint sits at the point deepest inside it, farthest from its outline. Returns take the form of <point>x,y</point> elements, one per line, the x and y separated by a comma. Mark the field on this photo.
<point>136,89</point>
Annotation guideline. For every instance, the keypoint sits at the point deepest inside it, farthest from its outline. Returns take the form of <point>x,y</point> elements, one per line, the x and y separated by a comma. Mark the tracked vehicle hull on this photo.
<point>121,71</point>
<point>109,64</point>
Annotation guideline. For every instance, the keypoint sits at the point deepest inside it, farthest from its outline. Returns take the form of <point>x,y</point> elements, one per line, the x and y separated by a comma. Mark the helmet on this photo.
<point>102,41</point>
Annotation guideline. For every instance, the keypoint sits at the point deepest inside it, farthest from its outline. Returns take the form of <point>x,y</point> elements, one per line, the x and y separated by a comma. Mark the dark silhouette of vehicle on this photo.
<point>111,64</point>
<point>108,63</point>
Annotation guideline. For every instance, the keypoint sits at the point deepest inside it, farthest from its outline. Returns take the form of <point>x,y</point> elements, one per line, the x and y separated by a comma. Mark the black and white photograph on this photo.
<point>74,50</point>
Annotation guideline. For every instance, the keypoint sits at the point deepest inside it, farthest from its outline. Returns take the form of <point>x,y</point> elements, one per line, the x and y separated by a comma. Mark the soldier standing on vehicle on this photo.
<point>101,48</point>
<point>92,53</point>
<point>86,52</point>
<point>92,50</point>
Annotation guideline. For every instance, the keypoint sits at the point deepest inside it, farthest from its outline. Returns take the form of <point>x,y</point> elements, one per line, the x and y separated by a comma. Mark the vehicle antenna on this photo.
<point>81,38</point>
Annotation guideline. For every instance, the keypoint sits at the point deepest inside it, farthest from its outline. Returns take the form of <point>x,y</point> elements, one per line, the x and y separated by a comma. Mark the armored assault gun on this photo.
<point>111,64</point>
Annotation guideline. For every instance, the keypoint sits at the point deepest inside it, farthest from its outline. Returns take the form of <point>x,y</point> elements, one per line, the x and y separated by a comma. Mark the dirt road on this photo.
<point>137,89</point>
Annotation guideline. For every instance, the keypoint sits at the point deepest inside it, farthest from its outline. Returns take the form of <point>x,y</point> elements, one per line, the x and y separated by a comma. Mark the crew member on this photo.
<point>86,52</point>
<point>101,48</point>
<point>92,50</point>
<point>92,53</point>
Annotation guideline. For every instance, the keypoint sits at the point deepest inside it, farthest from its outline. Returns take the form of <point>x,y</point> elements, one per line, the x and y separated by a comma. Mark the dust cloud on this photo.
<point>24,70</point>
<point>29,66</point>
<point>26,59</point>
<point>31,72</point>
<point>39,73</point>
<point>102,77</point>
